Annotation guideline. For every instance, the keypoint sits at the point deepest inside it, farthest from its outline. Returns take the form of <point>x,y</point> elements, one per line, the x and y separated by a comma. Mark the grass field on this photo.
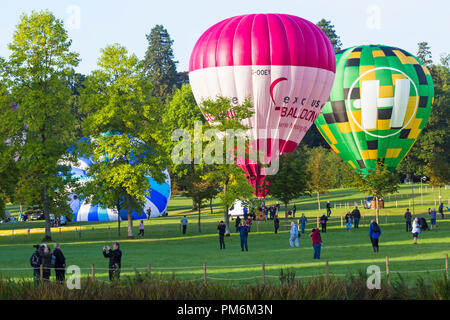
<point>168,251</point>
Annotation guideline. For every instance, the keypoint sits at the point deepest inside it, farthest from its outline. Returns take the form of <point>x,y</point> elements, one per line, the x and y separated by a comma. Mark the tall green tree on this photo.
<point>328,28</point>
<point>319,171</point>
<point>120,123</point>
<point>182,113</point>
<point>379,183</point>
<point>424,53</point>
<point>227,175</point>
<point>159,65</point>
<point>40,62</point>
<point>290,182</point>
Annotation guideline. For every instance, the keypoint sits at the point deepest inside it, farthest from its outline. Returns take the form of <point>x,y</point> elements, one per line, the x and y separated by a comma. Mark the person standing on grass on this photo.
<point>141,229</point>
<point>243,231</point>
<point>316,242</point>
<point>35,262</point>
<point>356,216</point>
<point>115,260</point>
<point>294,235</point>
<point>294,210</point>
<point>221,228</point>
<point>323,222</point>
<point>328,208</point>
<point>276,223</point>
<point>249,222</point>
<point>433,219</point>
<point>415,229</point>
<point>408,218</point>
<point>149,213</point>
<point>348,222</point>
<point>47,259</point>
<point>441,209</point>
<point>60,263</point>
<point>184,222</point>
<point>266,212</point>
<point>302,221</point>
<point>238,223</point>
<point>374,234</point>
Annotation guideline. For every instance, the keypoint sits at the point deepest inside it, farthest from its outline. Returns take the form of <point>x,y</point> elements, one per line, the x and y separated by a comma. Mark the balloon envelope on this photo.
<point>84,211</point>
<point>283,63</point>
<point>380,102</point>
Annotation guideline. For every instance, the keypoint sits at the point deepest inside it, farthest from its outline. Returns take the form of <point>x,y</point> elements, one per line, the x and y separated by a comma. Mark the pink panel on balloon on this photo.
<point>284,63</point>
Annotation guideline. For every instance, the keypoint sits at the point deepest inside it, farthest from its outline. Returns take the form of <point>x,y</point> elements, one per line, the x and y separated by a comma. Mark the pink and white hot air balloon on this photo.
<point>284,63</point>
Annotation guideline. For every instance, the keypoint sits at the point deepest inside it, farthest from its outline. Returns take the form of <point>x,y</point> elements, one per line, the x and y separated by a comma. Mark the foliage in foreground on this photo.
<point>140,287</point>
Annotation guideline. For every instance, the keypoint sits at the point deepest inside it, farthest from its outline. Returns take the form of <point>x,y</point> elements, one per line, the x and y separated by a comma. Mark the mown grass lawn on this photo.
<point>168,251</point>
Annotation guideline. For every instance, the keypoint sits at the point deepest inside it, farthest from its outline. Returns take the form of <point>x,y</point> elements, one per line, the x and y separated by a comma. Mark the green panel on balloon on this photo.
<point>380,102</point>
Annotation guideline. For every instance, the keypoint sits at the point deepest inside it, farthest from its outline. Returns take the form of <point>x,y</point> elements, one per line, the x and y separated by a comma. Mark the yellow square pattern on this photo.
<point>355,55</point>
<point>369,154</point>
<point>344,127</point>
<point>378,53</point>
<point>386,91</point>
<point>384,124</point>
<point>393,153</point>
<point>369,76</point>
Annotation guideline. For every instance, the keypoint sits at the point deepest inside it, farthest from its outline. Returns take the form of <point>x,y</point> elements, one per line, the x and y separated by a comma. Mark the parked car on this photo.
<point>37,216</point>
<point>368,202</point>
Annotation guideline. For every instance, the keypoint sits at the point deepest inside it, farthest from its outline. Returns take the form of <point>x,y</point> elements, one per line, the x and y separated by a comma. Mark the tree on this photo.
<point>41,127</point>
<point>228,176</point>
<point>424,54</point>
<point>182,112</point>
<point>319,172</point>
<point>290,182</point>
<point>379,182</point>
<point>121,127</point>
<point>329,31</point>
<point>159,66</point>
<point>200,191</point>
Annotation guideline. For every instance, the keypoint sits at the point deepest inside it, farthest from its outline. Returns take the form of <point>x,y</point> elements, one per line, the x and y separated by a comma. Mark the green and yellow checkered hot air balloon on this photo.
<point>380,102</point>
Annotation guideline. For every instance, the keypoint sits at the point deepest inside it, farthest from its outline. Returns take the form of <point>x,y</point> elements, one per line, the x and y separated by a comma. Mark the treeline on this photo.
<point>129,108</point>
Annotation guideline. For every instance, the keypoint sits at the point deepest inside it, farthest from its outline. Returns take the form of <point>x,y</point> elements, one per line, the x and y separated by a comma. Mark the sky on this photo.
<point>94,24</point>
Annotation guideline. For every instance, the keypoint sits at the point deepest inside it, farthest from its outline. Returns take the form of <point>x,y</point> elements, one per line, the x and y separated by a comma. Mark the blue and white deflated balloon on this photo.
<point>83,211</point>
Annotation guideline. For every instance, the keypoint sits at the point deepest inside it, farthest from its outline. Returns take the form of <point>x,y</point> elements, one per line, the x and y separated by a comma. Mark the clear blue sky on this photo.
<point>93,24</point>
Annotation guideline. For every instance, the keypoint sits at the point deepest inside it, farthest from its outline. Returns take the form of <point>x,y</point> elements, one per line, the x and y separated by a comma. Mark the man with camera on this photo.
<point>115,258</point>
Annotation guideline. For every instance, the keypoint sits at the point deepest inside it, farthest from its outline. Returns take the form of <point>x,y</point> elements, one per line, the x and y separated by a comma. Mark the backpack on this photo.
<point>375,228</point>
<point>34,260</point>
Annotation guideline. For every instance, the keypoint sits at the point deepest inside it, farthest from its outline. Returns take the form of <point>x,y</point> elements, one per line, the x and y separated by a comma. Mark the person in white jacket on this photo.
<point>294,235</point>
<point>415,229</point>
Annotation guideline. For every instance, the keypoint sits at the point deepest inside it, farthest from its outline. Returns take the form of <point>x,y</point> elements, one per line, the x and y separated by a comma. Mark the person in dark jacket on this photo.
<point>408,218</point>
<point>441,209</point>
<point>243,230</point>
<point>221,228</point>
<point>115,260</point>
<point>356,216</point>
<point>46,258</point>
<point>60,263</point>
<point>238,223</point>
<point>328,208</point>
<point>323,222</point>
<point>276,223</point>
<point>35,262</point>
<point>374,234</point>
